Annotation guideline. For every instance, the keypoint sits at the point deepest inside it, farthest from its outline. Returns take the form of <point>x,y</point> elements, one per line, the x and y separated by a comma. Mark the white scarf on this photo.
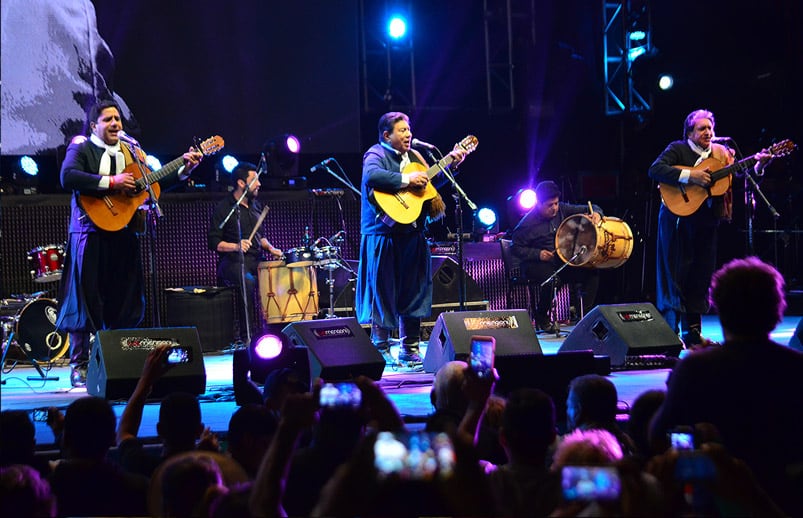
<point>704,153</point>
<point>105,161</point>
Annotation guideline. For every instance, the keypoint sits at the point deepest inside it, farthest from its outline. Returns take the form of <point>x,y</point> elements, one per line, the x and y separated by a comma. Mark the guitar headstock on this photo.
<point>211,145</point>
<point>469,143</point>
<point>782,148</point>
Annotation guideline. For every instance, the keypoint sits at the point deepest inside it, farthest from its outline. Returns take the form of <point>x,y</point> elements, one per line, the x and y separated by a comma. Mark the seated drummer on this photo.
<point>534,248</point>
<point>229,241</point>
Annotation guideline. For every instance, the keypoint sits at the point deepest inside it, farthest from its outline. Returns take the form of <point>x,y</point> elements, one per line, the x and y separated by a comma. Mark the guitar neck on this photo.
<point>157,175</point>
<point>733,168</point>
<point>443,163</point>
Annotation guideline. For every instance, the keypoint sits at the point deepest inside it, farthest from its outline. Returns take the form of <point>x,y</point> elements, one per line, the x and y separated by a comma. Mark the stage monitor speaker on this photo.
<point>210,309</point>
<point>339,348</point>
<point>117,358</point>
<point>797,337</point>
<point>446,282</point>
<point>623,330</point>
<point>450,337</point>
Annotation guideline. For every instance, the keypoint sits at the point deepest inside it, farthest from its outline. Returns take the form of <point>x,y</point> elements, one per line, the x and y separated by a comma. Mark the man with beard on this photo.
<point>231,242</point>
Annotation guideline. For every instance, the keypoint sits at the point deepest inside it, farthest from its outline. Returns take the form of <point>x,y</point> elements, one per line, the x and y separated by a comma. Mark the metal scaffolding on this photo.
<point>627,35</point>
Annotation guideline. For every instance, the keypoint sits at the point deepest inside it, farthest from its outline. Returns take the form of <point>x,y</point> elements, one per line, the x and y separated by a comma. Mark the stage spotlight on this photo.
<point>485,223</point>
<point>29,166</point>
<point>666,82</point>
<point>487,218</point>
<point>293,144</point>
<point>282,155</point>
<point>268,346</point>
<point>637,35</point>
<point>397,27</point>
<point>229,163</point>
<point>519,204</point>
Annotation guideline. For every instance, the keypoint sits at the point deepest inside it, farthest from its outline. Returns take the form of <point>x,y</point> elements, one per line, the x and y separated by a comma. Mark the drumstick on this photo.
<point>259,222</point>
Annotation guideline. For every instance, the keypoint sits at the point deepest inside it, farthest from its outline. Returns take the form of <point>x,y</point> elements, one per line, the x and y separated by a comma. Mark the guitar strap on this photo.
<point>723,205</point>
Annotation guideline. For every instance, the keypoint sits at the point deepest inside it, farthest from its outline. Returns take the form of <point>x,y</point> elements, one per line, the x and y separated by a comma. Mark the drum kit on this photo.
<point>28,321</point>
<point>288,287</point>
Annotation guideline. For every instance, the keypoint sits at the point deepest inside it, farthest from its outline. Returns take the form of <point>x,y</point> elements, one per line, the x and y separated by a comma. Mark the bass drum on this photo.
<point>287,294</point>
<point>36,332</point>
<point>607,245</point>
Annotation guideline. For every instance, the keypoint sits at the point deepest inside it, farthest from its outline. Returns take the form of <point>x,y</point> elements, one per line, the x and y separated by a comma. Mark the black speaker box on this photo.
<point>548,372</point>
<point>446,282</point>
<point>339,348</point>
<point>622,330</point>
<point>210,309</point>
<point>117,357</point>
<point>451,335</point>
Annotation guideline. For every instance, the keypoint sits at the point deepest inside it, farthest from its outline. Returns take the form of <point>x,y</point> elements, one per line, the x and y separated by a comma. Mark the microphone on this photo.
<point>321,165</point>
<point>262,163</point>
<point>420,143</point>
<point>339,235</point>
<point>125,137</point>
<point>583,249</point>
<point>721,139</point>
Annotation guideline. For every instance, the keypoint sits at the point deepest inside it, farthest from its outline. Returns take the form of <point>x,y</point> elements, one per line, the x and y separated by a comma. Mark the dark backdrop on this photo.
<point>252,69</point>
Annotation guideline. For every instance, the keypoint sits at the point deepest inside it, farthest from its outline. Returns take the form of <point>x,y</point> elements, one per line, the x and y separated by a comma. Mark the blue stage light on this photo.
<point>397,27</point>
<point>29,165</point>
<point>229,163</point>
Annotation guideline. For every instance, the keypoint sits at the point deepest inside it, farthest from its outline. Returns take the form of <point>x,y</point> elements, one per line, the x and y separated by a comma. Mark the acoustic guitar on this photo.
<point>114,210</point>
<point>685,199</point>
<point>405,206</point>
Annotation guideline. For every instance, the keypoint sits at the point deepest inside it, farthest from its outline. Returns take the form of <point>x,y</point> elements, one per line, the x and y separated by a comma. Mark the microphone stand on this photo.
<point>154,213</point>
<point>459,193</point>
<point>750,189</point>
<point>554,279</point>
<point>236,208</point>
<point>342,179</point>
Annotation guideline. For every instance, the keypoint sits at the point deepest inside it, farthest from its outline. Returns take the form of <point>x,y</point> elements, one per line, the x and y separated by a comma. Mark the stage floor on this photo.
<point>408,391</point>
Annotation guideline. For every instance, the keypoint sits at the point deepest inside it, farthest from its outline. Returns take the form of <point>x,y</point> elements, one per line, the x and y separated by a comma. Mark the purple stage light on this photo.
<point>268,347</point>
<point>527,199</point>
<point>293,144</point>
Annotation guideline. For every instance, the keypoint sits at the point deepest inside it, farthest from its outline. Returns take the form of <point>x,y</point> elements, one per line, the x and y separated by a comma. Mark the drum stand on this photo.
<point>41,377</point>
<point>554,280</point>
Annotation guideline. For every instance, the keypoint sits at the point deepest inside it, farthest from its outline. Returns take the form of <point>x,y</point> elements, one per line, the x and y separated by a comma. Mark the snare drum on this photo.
<point>287,294</point>
<point>607,245</point>
<point>299,257</point>
<point>36,331</point>
<point>326,255</point>
<point>46,263</point>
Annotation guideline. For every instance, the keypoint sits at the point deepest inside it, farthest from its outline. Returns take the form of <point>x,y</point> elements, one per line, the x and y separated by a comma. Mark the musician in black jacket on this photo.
<point>231,239</point>
<point>102,286</point>
<point>687,245</point>
<point>534,248</point>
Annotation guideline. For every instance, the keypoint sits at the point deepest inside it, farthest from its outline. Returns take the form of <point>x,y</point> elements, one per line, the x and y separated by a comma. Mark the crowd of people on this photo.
<point>723,439</point>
